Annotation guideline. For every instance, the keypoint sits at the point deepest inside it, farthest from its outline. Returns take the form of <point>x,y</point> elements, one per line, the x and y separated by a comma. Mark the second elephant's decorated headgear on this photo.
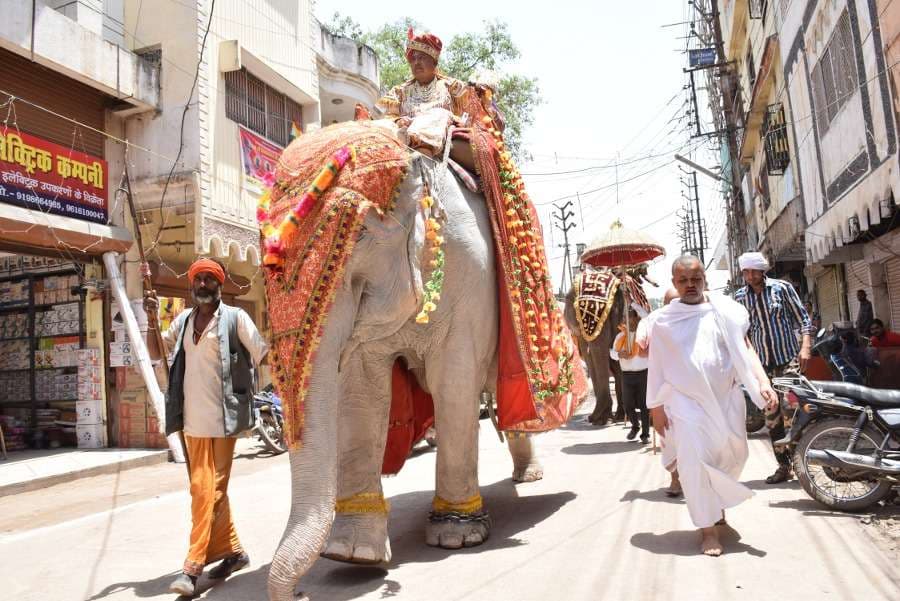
<point>428,43</point>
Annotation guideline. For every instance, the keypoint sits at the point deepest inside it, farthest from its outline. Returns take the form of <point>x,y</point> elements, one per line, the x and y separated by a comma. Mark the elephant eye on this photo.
<point>363,232</point>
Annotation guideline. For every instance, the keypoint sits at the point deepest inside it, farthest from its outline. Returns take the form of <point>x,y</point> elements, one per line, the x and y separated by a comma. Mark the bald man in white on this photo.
<point>698,359</point>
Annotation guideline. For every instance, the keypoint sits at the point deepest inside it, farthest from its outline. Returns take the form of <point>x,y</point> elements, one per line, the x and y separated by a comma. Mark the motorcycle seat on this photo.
<point>891,417</point>
<point>875,397</point>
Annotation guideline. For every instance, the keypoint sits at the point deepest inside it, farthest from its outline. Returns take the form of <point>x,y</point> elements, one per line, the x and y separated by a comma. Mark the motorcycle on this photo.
<point>845,437</point>
<point>756,417</point>
<point>269,420</point>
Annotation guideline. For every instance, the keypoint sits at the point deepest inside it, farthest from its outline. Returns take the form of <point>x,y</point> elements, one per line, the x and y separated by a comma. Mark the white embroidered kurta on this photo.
<point>697,359</point>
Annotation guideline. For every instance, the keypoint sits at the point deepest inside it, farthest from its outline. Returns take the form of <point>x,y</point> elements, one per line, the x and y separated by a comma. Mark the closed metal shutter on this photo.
<point>857,279</point>
<point>62,95</point>
<point>828,298</point>
<point>892,275</point>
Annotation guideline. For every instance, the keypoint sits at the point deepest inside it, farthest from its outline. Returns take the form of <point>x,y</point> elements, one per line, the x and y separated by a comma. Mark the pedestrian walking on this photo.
<point>634,377</point>
<point>699,358</point>
<point>209,400</point>
<point>776,317</point>
<point>866,314</point>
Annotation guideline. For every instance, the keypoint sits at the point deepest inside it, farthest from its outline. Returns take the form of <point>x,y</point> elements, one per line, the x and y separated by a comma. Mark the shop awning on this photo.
<point>32,230</point>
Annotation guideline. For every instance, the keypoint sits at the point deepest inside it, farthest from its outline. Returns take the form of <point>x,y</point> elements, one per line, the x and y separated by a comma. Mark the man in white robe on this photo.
<point>698,359</point>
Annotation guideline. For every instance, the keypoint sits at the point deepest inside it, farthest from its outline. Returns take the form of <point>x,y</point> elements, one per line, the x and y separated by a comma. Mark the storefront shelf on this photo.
<point>17,308</point>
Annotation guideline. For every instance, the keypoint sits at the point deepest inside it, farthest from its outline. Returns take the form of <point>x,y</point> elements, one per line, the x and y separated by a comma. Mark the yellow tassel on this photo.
<point>422,317</point>
<point>427,202</point>
<point>429,307</point>
<point>367,502</point>
<point>472,505</point>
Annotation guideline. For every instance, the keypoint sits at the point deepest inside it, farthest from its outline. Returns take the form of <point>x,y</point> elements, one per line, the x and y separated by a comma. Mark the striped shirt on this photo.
<point>776,314</point>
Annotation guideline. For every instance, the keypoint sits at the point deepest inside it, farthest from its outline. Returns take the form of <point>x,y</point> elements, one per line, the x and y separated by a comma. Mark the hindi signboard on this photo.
<point>37,174</point>
<point>259,157</point>
<point>702,57</point>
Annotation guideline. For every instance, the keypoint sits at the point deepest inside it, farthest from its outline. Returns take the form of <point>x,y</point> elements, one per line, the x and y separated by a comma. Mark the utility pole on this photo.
<point>726,107</point>
<point>561,217</point>
<point>692,231</point>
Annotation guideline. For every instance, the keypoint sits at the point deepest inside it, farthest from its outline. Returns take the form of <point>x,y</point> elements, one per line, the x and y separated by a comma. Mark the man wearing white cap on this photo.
<point>776,313</point>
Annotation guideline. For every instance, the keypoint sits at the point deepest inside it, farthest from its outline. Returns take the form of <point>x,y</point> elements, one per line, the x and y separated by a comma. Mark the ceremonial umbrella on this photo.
<point>621,247</point>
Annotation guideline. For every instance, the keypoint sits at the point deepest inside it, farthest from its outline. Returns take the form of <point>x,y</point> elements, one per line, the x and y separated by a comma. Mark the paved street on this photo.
<point>597,527</point>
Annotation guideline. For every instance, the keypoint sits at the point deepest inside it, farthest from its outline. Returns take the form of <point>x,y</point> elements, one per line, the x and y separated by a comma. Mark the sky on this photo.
<point>610,75</point>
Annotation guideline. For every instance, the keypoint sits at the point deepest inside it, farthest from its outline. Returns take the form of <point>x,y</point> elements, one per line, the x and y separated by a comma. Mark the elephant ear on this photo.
<point>301,292</point>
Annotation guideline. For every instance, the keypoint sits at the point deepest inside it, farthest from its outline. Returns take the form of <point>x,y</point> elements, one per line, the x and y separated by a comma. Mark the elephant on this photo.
<point>337,503</point>
<point>596,355</point>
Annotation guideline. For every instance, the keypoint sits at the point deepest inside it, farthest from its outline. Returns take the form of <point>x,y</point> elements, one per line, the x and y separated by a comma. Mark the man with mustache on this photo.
<point>211,383</point>
<point>699,358</point>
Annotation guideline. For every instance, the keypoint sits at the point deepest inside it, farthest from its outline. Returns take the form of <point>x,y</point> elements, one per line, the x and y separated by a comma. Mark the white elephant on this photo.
<point>336,474</point>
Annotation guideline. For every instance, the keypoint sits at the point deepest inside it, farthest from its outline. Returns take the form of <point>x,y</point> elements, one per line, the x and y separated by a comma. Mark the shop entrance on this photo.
<point>46,399</point>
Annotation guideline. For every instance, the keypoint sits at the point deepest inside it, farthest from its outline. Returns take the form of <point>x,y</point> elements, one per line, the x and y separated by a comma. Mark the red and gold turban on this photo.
<point>428,43</point>
<point>206,266</point>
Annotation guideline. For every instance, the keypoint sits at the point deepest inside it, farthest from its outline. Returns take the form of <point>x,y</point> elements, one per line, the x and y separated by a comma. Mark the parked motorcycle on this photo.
<point>756,417</point>
<point>269,420</point>
<point>845,439</point>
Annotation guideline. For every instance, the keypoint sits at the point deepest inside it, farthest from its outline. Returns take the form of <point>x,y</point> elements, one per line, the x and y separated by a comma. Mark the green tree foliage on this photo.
<point>492,48</point>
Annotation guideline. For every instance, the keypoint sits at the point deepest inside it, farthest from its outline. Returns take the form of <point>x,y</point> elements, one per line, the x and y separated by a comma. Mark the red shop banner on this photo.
<point>37,174</point>
<point>259,157</point>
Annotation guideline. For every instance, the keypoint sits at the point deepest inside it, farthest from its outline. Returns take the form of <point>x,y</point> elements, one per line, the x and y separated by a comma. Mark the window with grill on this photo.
<point>259,107</point>
<point>834,77</point>
<point>757,9</point>
<point>774,133</point>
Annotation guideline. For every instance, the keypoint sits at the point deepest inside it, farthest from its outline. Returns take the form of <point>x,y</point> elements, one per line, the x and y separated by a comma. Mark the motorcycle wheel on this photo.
<point>837,488</point>
<point>271,433</point>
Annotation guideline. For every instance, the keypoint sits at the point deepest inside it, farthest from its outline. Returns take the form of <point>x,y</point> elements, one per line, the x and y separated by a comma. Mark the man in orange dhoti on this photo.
<point>209,399</point>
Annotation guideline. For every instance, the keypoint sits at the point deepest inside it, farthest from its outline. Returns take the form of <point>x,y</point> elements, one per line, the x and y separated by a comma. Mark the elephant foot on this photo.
<point>529,473</point>
<point>359,538</point>
<point>526,466</point>
<point>457,530</point>
<point>599,419</point>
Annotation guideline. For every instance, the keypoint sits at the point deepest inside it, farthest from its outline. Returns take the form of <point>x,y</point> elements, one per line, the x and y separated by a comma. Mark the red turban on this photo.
<point>206,266</point>
<point>428,43</point>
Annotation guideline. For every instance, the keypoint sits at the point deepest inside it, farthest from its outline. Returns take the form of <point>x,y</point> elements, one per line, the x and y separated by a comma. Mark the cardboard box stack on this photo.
<point>15,386</point>
<point>138,422</point>
<point>14,429</point>
<point>55,289</point>
<point>15,354</point>
<point>90,426</point>
<point>14,293</point>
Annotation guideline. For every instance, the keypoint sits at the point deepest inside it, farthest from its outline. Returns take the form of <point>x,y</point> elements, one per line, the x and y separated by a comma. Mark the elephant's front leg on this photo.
<point>359,533</point>
<point>458,518</point>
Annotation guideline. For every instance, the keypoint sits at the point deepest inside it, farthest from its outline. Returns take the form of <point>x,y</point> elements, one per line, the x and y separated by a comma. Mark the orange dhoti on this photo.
<point>213,536</point>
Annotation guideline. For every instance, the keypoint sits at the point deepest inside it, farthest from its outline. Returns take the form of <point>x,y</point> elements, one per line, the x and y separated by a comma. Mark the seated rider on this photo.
<point>428,103</point>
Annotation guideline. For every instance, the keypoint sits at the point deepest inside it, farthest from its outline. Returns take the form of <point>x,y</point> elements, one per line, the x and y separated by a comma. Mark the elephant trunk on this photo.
<point>313,473</point>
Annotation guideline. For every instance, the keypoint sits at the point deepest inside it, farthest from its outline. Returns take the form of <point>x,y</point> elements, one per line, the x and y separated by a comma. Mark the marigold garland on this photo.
<point>435,283</point>
<point>531,282</point>
<point>276,239</point>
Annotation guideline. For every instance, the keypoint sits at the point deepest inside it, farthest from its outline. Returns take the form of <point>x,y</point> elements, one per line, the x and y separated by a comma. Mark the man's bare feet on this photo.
<point>709,543</point>
<point>674,489</point>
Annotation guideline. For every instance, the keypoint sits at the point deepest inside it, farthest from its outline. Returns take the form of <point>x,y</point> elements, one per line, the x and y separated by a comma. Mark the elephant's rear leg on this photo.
<point>458,518</point>
<point>523,450</point>
<point>359,533</point>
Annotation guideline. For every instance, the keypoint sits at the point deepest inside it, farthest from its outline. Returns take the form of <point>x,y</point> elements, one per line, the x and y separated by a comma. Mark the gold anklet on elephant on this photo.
<point>472,505</point>
<point>364,502</point>
<point>470,510</point>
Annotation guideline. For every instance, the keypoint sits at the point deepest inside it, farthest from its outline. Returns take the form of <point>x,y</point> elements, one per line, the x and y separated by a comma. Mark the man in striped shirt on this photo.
<point>776,314</point>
